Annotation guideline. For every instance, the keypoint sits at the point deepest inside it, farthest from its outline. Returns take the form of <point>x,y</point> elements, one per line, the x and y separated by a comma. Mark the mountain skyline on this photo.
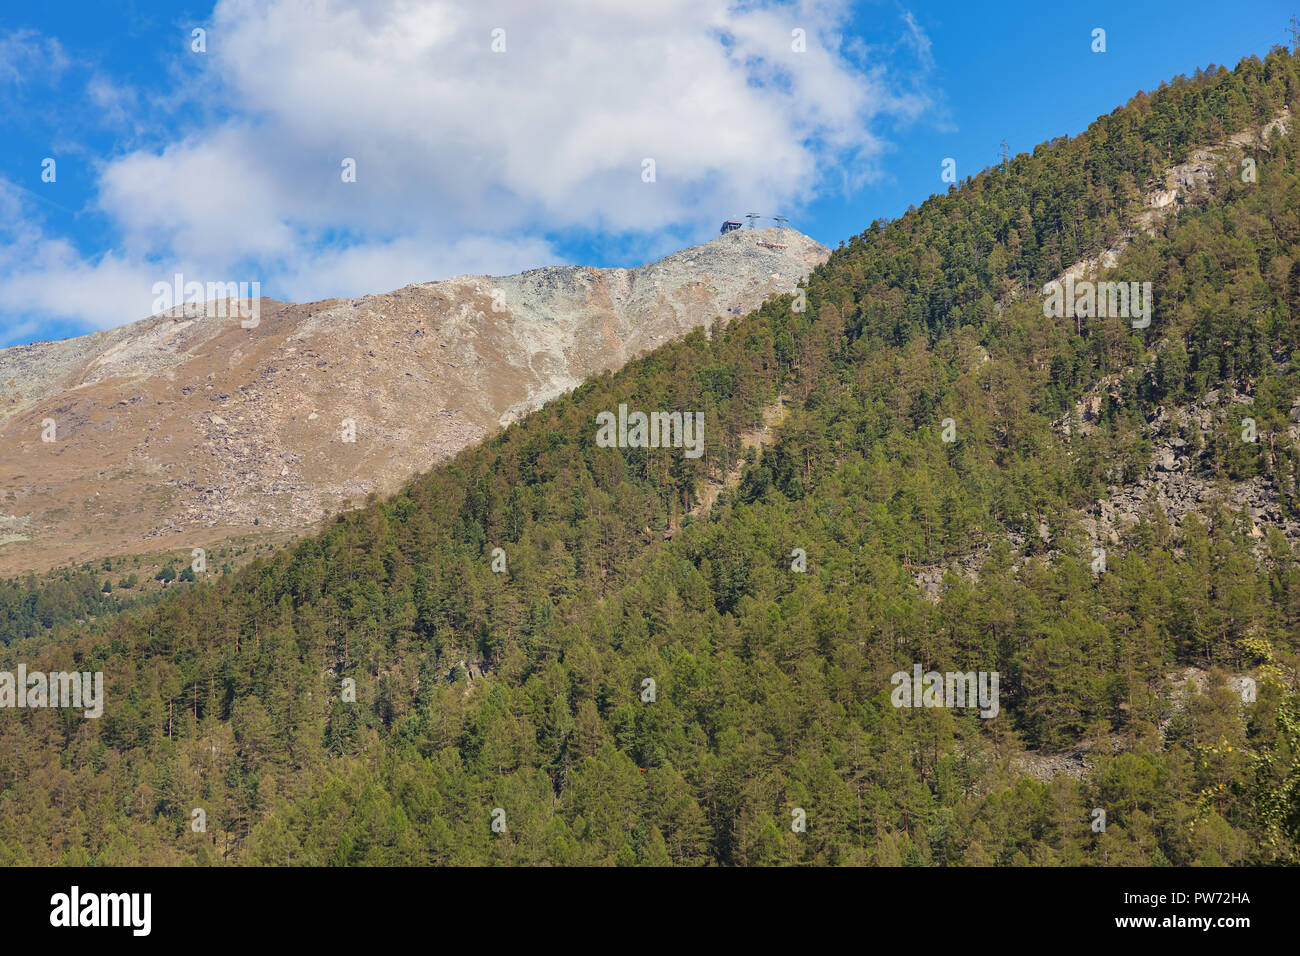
<point>192,428</point>
<point>962,578</point>
<point>639,438</point>
<point>833,114</point>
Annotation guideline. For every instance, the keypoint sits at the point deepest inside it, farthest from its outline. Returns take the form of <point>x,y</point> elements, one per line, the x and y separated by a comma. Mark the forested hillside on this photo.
<point>519,696</point>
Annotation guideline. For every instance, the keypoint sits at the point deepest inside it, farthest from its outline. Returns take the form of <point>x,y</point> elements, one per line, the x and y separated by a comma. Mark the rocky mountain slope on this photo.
<point>1181,477</point>
<point>1159,689</point>
<point>178,431</point>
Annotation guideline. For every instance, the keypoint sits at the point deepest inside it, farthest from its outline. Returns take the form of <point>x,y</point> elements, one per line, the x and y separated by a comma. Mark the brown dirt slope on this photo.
<point>179,431</point>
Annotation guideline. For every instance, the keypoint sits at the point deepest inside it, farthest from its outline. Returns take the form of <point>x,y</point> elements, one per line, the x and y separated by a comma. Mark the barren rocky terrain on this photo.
<point>182,431</point>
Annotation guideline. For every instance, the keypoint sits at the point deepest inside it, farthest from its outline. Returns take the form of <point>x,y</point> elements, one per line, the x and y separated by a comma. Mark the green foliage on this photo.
<point>33,606</point>
<point>772,687</point>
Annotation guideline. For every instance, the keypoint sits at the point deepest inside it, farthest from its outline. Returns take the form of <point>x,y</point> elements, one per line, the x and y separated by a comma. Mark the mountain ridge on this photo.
<point>230,428</point>
<point>688,698</point>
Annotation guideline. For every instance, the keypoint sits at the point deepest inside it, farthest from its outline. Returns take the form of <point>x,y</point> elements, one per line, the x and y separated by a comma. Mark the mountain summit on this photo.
<point>181,431</point>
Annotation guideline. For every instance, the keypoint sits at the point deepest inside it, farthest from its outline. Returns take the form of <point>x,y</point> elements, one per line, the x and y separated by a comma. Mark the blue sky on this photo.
<point>478,151</point>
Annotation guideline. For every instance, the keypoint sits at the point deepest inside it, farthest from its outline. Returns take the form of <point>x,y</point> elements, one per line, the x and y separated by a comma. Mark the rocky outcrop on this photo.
<point>1183,184</point>
<point>1180,480</point>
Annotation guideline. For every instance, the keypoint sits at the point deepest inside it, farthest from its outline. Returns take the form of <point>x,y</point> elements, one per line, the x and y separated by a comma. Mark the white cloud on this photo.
<point>381,266</point>
<point>27,57</point>
<point>467,158</point>
<point>212,200</point>
<point>559,123</point>
<point>46,276</point>
<point>919,40</point>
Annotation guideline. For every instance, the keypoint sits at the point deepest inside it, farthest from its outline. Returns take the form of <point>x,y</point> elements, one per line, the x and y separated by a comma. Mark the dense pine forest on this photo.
<point>633,678</point>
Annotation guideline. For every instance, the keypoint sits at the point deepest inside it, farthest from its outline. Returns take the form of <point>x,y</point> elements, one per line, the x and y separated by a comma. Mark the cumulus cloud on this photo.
<point>43,276</point>
<point>381,266</point>
<point>554,129</point>
<point>468,157</point>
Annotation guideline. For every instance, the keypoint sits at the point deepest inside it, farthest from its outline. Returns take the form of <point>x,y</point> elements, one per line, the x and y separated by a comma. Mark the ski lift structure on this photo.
<point>730,225</point>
